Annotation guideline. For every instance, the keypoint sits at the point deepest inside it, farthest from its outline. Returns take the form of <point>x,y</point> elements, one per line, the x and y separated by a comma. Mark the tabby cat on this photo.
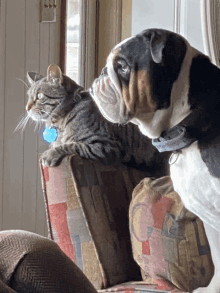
<point>60,102</point>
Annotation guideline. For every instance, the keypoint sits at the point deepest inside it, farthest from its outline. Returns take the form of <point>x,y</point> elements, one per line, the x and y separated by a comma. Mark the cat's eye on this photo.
<point>40,96</point>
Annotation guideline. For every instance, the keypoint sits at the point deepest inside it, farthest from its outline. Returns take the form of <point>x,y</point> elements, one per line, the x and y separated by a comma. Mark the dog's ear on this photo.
<point>166,48</point>
<point>157,44</point>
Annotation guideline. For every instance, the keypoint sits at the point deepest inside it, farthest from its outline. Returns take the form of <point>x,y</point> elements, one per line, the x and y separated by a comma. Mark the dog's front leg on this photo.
<point>213,236</point>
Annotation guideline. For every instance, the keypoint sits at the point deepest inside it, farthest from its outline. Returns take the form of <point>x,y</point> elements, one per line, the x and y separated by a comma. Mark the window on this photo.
<point>72,39</point>
<point>78,35</point>
<point>89,30</point>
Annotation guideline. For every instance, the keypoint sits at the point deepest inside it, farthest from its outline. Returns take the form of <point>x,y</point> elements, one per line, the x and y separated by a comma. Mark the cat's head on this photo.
<point>50,98</point>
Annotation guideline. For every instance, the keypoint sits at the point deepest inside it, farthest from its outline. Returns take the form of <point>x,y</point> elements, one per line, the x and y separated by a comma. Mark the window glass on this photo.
<point>72,39</point>
<point>161,14</point>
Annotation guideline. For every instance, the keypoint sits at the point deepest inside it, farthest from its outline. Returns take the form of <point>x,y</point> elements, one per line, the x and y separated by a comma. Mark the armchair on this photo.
<point>126,233</point>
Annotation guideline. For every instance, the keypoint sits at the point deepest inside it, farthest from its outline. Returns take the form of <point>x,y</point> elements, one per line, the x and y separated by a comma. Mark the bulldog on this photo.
<point>158,81</point>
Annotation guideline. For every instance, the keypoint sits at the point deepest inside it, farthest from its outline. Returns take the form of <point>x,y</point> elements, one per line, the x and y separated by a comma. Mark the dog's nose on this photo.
<point>104,71</point>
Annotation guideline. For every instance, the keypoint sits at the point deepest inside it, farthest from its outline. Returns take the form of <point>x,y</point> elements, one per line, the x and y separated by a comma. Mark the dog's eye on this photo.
<point>123,66</point>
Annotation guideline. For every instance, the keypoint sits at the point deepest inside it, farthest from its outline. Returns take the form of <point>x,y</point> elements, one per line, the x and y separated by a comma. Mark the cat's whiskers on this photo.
<point>49,114</point>
<point>23,82</point>
<point>36,126</point>
<point>22,123</point>
<point>25,123</point>
<point>19,123</point>
<point>38,121</point>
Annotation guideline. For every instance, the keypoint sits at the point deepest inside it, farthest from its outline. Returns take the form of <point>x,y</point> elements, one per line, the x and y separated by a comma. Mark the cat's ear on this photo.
<point>54,74</point>
<point>33,77</point>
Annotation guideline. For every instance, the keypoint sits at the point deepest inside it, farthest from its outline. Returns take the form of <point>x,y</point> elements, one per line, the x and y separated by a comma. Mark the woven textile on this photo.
<point>30,263</point>
<point>14,245</point>
<point>87,210</point>
<point>169,242</point>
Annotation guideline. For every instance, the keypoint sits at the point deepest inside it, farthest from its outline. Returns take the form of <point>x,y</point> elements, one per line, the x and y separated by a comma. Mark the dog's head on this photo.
<point>139,77</point>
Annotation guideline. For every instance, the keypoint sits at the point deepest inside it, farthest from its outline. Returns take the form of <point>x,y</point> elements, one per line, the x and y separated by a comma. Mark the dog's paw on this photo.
<point>51,158</point>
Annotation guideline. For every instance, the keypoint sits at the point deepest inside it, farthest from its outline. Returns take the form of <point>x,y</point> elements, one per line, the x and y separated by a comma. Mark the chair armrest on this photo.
<point>87,207</point>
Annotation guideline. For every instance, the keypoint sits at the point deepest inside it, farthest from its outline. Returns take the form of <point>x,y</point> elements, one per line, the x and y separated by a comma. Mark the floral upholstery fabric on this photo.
<point>87,210</point>
<point>169,242</point>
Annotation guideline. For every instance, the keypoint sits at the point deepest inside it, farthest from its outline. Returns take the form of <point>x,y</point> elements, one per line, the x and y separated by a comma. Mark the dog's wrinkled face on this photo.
<point>139,76</point>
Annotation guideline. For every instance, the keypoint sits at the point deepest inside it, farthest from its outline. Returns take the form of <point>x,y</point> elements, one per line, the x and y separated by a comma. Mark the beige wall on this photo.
<point>26,45</point>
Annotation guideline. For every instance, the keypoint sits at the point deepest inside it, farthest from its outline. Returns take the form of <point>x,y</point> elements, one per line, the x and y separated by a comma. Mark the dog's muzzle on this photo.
<point>108,99</point>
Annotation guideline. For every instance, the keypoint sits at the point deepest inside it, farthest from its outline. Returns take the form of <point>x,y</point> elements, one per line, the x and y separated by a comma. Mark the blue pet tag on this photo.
<point>50,134</point>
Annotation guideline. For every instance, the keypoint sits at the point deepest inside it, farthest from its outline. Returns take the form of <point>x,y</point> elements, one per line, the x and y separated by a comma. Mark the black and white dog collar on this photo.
<point>174,139</point>
<point>197,125</point>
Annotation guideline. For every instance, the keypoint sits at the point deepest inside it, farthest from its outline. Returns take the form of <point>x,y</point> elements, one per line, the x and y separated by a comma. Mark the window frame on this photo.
<point>210,15</point>
<point>98,36</point>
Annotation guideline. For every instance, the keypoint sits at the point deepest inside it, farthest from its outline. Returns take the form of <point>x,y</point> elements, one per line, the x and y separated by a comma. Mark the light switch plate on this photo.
<point>48,10</point>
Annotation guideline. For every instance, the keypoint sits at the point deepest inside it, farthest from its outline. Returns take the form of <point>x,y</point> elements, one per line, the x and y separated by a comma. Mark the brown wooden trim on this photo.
<point>110,28</point>
<point>88,46</point>
<point>126,19</point>
<point>82,42</point>
<point>63,24</point>
<point>118,21</point>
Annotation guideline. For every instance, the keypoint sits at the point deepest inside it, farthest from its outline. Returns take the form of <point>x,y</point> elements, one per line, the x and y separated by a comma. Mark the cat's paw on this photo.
<point>51,158</point>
